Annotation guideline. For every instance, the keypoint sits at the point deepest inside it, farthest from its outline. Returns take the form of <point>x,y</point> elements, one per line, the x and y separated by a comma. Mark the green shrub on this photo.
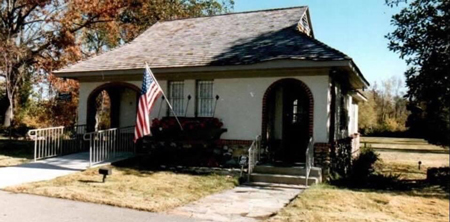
<point>363,164</point>
<point>364,175</point>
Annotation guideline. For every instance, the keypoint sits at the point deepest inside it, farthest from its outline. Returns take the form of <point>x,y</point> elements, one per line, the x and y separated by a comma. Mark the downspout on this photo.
<point>332,109</point>
<point>331,142</point>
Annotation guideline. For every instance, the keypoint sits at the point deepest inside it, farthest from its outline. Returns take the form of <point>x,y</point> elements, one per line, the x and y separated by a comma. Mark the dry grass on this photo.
<point>326,203</point>
<point>403,160</point>
<point>141,190</point>
<point>6,161</point>
<point>329,203</point>
<point>15,152</point>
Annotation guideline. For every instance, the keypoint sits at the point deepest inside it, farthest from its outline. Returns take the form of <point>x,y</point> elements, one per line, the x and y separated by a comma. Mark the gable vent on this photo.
<point>304,26</point>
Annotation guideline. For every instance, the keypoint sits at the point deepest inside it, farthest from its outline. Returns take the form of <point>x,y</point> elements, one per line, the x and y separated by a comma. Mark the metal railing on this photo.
<point>106,144</point>
<point>309,162</point>
<point>254,154</point>
<point>47,141</point>
<point>73,139</point>
<point>56,141</point>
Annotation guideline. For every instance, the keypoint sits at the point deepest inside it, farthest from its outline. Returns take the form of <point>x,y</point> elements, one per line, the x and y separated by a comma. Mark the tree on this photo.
<point>140,14</point>
<point>385,111</point>
<point>40,36</point>
<point>367,114</point>
<point>422,38</point>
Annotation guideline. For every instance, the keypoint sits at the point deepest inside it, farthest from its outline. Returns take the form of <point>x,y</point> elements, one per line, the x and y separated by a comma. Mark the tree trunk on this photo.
<point>9,114</point>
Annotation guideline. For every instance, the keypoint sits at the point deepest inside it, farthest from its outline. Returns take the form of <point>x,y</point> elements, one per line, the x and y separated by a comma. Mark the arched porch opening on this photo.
<point>112,105</point>
<point>287,124</point>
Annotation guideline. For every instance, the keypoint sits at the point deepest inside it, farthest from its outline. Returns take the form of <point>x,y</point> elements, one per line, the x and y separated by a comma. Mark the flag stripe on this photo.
<point>149,94</point>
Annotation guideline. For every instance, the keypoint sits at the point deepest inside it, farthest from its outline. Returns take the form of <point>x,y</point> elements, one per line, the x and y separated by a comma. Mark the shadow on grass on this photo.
<point>401,150</point>
<point>390,183</point>
<point>17,148</point>
<point>145,165</point>
<point>89,181</point>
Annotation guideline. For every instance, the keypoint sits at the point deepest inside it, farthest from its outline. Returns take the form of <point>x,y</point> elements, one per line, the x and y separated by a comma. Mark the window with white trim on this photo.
<point>176,97</point>
<point>205,98</point>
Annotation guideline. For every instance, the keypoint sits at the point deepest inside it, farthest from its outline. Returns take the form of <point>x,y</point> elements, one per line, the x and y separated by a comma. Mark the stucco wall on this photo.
<point>127,104</point>
<point>127,107</point>
<point>239,106</point>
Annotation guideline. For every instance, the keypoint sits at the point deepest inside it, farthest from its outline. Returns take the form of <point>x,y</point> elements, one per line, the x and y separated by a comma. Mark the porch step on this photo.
<point>283,179</point>
<point>274,185</point>
<point>293,171</point>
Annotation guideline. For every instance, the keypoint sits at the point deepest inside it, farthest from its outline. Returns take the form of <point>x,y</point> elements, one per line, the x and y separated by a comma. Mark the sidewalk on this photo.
<point>30,208</point>
<point>245,203</point>
<point>45,169</point>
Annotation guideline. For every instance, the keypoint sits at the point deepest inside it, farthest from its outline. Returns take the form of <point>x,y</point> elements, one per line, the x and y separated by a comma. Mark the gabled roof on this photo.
<point>222,40</point>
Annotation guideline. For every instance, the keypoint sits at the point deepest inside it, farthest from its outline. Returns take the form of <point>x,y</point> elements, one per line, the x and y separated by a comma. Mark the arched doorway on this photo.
<point>287,120</point>
<point>112,105</point>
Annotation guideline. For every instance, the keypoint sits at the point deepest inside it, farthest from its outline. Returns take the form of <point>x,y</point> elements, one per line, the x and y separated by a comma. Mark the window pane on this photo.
<point>205,99</point>
<point>176,97</point>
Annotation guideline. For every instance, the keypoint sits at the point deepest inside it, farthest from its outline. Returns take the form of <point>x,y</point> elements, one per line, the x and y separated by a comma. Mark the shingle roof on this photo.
<point>231,39</point>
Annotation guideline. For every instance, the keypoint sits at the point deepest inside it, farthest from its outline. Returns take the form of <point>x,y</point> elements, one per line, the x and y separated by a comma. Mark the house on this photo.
<point>269,74</point>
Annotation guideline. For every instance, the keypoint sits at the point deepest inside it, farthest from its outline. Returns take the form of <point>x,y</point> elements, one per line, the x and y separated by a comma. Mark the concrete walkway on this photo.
<point>30,208</point>
<point>243,203</point>
<point>47,169</point>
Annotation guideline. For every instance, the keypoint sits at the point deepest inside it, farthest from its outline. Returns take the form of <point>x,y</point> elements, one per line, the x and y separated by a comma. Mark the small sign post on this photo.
<point>67,96</point>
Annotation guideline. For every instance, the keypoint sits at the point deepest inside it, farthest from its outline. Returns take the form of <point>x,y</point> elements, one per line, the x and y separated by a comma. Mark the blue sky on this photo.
<point>355,27</point>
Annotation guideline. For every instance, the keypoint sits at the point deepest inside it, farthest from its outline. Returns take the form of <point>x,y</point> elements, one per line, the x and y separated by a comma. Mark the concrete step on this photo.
<point>294,171</point>
<point>283,179</point>
<point>274,185</point>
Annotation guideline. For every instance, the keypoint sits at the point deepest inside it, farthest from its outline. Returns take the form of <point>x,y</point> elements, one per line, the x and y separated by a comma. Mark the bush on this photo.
<point>439,175</point>
<point>363,165</point>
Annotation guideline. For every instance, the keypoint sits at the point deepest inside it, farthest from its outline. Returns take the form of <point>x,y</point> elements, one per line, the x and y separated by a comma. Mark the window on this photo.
<point>295,111</point>
<point>205,98</point>
<point>176,97</point>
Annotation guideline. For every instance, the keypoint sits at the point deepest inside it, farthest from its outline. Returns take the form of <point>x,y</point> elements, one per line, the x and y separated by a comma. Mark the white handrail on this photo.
<point>104,144</point>
<point>309,154</point>
<point>56,141</point>
<point>47,141</point>
<point>254,155</point>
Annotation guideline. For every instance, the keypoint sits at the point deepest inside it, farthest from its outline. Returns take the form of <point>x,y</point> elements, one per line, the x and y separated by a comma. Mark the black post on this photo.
<point>215,105</point>
<point>187,105</point>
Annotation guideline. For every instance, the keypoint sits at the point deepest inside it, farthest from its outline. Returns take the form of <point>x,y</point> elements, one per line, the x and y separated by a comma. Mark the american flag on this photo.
<point>149,94</point>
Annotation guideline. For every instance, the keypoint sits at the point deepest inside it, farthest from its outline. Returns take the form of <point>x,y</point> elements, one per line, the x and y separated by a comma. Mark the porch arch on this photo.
<point>114,90</point>
<point>270,92</point>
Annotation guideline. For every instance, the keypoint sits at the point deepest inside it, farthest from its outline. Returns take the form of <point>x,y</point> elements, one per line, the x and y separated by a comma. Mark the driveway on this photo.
<point>30,208</point>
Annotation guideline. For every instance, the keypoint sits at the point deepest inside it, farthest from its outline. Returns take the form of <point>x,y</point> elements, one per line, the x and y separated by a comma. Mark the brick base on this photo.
<point>345,150</point>
<point>322,157</point>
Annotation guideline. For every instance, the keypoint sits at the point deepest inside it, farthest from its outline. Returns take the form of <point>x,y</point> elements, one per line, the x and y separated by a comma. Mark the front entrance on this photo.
<point>112,105</point>
<point>287,116</point>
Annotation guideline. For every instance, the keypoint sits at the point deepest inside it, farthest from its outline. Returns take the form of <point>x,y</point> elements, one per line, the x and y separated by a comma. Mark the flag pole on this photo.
<point>164,95</point>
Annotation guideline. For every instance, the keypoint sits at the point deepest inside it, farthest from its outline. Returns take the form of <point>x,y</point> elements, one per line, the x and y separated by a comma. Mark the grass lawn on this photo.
<point>15,152</point>
<point>146,190</point>
<point>399,157</point>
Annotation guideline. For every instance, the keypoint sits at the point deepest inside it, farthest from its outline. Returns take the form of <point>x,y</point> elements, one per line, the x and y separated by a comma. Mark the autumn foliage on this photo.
<point>38,37</point>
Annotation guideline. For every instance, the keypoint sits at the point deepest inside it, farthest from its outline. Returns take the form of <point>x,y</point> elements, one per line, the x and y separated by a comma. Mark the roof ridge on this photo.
<point>235,13</point>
